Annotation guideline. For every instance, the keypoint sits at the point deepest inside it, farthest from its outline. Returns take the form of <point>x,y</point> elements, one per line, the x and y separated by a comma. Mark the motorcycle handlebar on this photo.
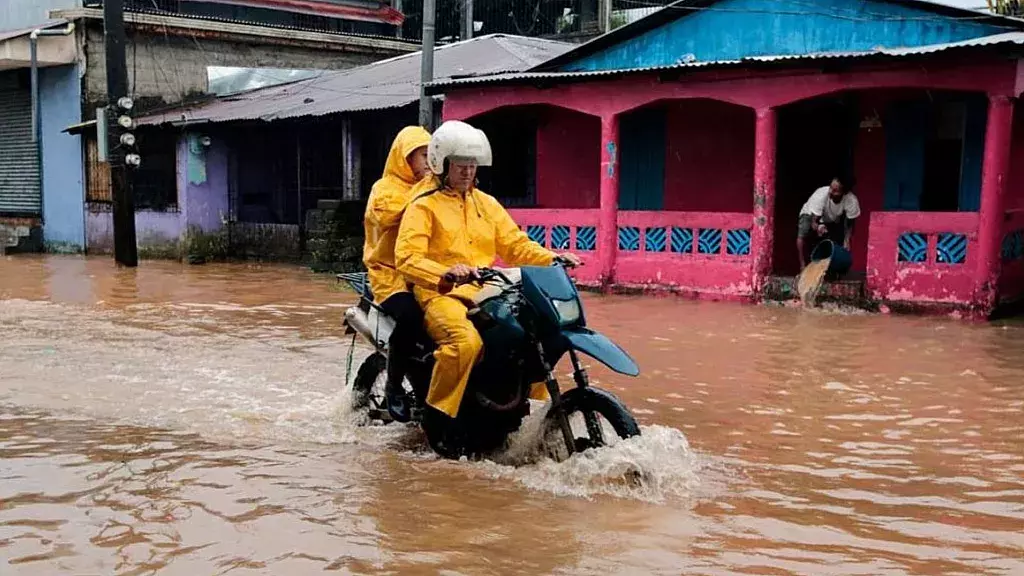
<point>483,275</point>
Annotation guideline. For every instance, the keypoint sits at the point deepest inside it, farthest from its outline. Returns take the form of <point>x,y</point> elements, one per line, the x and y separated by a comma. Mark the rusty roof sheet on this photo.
<point>386,84</point>
<point>1007,39</point>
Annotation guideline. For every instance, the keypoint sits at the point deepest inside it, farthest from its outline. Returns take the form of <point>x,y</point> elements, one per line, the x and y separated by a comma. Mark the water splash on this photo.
<point>656,466</point>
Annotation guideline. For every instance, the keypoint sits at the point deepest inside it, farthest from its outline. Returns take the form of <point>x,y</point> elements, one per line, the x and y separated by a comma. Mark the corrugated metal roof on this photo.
<point>9,34</point>
<point>681,8</point>
<point>1006,39</point>
<point>386,84</point>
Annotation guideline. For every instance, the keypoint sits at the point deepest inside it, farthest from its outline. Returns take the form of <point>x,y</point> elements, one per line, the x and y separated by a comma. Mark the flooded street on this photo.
<point>192,420</point>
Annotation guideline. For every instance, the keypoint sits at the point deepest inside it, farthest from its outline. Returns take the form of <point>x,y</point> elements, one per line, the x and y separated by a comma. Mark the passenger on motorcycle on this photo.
<point>449,231</point>
<point>405,166</point>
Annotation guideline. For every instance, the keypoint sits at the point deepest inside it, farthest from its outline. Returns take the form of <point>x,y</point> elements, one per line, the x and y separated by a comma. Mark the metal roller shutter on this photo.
<point>19,166</point>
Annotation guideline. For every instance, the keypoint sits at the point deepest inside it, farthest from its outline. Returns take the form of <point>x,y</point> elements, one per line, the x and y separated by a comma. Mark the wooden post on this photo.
<point>427,64</point>
<point>607,229</point>
<point>994,173</point>
<point>125,249</point>
<point>762,236</point>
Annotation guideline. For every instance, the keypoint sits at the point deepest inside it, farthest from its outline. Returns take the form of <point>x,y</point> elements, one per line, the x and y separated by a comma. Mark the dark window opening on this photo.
<point>513,177</point>
<point>155,181</point>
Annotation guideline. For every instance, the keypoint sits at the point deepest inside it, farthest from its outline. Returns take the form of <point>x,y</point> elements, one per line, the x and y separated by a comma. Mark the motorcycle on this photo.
<point>528,318</point>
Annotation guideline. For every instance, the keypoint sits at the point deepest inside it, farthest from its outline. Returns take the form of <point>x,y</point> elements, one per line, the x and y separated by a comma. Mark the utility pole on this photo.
<point>397,5</point>
<point>427,64</point>
<point>120,137</point>
<point>467,19</point>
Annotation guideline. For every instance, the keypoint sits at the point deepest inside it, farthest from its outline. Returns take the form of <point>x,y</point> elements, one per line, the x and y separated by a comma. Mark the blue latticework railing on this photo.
<point>586,238</point>
<point>1013,246</point>
<point>654,240</point>
<point>682,240</point>
<point>912,247</point>
<point>951,248</point>
<point>709,241</point>
<point>559,238</point>
<point>629,238</point>
<point>737,242</point>
<point>537,233</point>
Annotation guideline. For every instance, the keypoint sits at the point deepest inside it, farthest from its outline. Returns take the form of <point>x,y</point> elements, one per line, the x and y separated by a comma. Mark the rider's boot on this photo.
<point>399,405</point>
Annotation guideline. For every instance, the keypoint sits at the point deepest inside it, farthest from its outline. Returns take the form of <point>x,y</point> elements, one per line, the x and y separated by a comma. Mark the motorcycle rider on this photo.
<point>405,166</point>
<point>447,232</point>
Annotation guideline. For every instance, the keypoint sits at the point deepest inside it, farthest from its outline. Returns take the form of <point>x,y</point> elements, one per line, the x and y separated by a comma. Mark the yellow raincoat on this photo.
<point>439,230</point>
<point>387,201</point>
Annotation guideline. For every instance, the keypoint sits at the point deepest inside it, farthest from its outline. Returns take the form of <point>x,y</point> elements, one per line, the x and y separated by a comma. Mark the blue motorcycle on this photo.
<point>529,318</point>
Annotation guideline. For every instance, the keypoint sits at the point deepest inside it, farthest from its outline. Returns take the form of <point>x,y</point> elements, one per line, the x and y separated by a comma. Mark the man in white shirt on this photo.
<point>829,213</point>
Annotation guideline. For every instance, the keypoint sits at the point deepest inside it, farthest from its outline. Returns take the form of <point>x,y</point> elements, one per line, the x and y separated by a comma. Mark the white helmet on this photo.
<point>455,140</point>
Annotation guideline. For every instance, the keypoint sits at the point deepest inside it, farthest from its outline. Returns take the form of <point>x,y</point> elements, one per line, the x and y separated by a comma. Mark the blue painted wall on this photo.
<point>733,29</point>
<point>63,180</point>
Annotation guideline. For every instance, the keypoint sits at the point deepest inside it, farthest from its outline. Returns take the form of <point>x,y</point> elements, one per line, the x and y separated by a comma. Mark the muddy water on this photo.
<point>190,420</point>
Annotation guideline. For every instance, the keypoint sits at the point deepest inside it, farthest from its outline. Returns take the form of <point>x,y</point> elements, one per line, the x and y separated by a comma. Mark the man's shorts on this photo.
<point>804,228</point>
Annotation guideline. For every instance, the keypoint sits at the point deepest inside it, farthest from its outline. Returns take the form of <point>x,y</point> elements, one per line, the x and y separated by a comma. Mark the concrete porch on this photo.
<point>848,290</point>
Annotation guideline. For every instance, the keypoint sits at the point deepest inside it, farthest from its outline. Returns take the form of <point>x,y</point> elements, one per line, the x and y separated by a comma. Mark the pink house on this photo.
<point>675,153</point>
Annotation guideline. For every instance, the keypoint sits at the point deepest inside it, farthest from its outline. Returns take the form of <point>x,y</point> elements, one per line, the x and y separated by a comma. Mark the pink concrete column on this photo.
<point>607,228</point>
<point>762,236</point>
<point>994,173</point>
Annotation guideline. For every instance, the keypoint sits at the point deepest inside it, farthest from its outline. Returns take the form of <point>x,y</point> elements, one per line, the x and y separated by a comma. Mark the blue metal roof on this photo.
<point>1007,40</point>
<point>682,8</point>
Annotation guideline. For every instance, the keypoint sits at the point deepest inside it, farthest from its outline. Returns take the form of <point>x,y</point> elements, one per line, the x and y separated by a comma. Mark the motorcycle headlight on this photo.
<point>568,311</point>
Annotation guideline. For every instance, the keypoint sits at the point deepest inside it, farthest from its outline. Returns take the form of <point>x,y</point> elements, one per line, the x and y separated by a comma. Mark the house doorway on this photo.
<point>815,144</point>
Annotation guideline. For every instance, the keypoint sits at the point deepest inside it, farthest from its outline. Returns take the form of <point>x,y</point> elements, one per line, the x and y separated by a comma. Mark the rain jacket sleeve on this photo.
<point>512,244</point>
<point>412,247</point>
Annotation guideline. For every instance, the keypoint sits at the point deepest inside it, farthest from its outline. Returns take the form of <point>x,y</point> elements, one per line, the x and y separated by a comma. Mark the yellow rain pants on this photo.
<point>384,208</point>
<point>442,228</point>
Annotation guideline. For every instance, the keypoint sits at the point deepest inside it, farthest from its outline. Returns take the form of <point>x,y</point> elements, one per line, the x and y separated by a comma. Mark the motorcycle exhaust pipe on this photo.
<point>360,322</point>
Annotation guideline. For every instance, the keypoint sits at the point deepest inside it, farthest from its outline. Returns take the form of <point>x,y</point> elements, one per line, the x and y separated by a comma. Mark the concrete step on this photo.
<point>849,290</point>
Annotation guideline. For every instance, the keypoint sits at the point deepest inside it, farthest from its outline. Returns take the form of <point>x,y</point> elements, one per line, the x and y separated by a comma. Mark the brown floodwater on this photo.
<point>177,419</point>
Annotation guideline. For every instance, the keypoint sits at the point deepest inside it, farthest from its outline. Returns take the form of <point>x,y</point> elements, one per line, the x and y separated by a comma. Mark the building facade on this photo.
<point>676,152</point>
<point>55,194</point>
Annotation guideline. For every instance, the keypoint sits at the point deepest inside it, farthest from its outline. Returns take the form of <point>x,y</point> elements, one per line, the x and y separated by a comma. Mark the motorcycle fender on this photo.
<point>602,349</point>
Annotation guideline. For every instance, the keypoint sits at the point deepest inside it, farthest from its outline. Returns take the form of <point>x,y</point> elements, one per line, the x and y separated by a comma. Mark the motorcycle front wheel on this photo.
<point>607,414</point>
<point>368,387</point>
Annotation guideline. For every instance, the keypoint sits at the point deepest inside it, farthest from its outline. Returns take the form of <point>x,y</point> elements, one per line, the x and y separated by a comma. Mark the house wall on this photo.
<point>203,204</point>
<point>203,183</point>
<point>1011,280</point>
<point>63,178</point>
<point>869,160</point>
<point>167,68</point>
<point>733,29</point>
<point>1015,186</point>
<point>709,157</point>
<point>568,159</point>
<point>156,233</point>
<point>724,273</point>
<point>899,275</point>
